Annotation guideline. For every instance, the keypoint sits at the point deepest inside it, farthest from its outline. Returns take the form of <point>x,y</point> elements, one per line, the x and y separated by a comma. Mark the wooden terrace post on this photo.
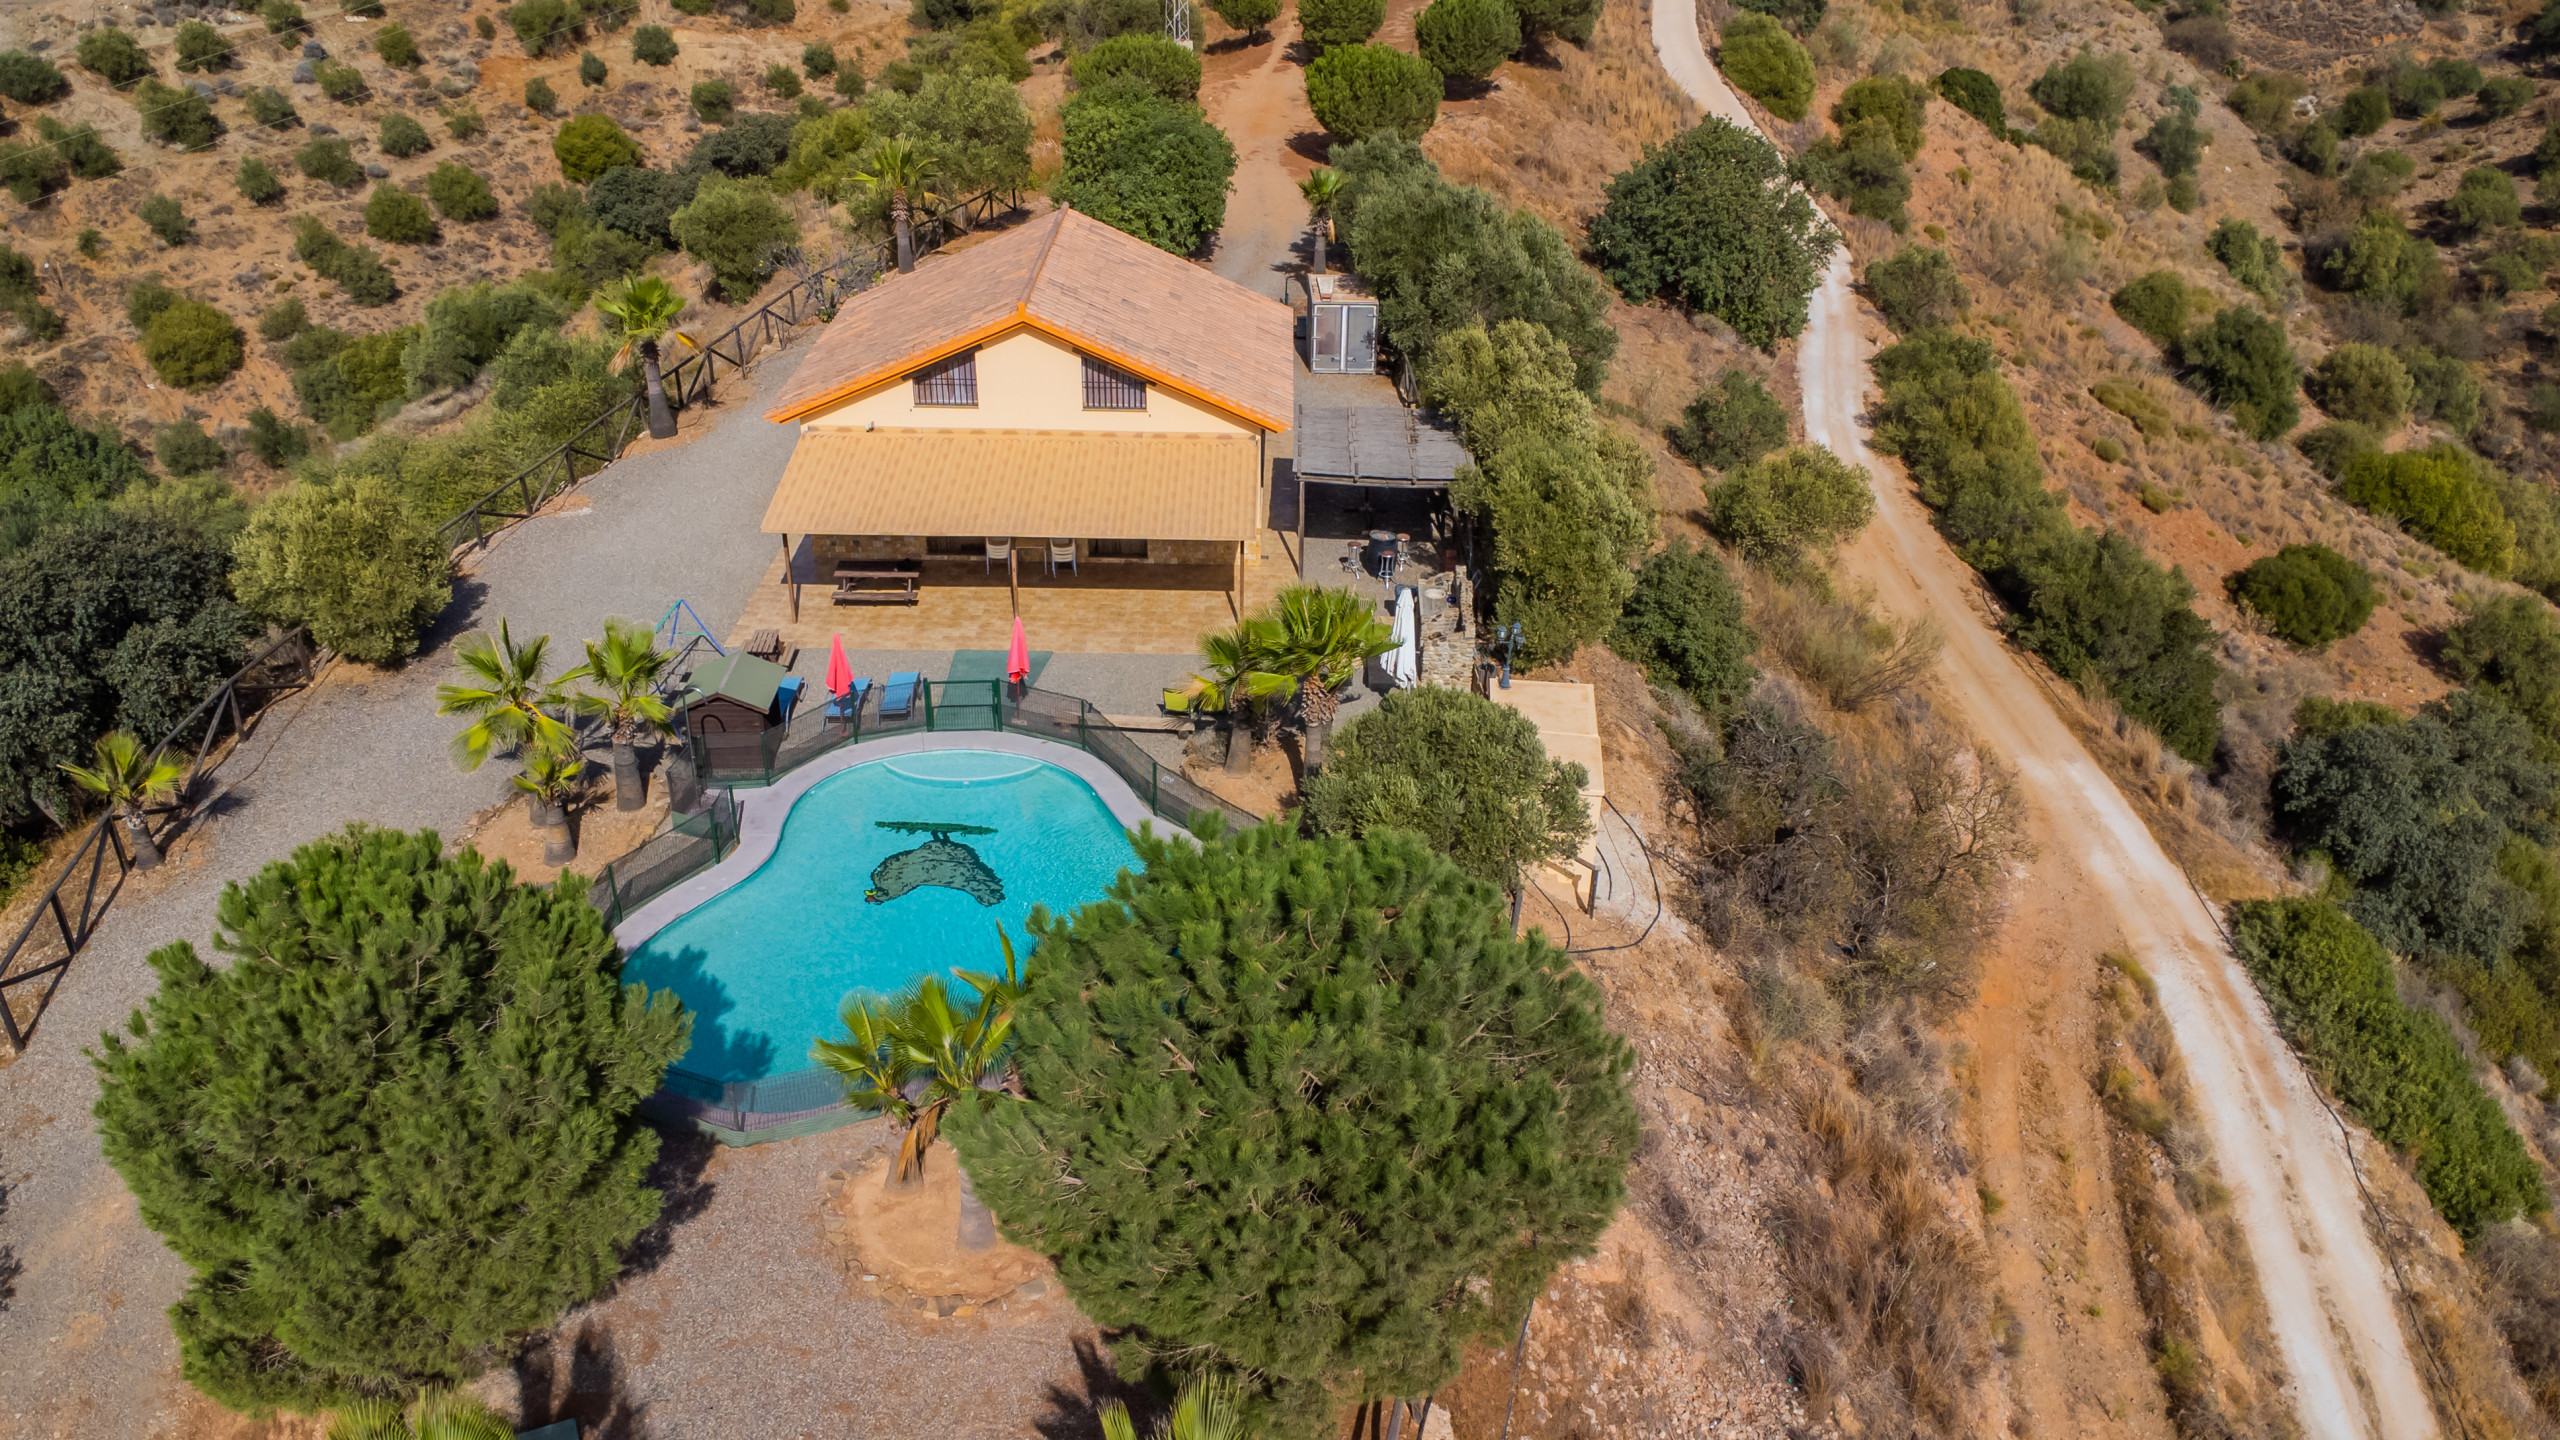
<point>790,579</point>
<point>1013,574</point>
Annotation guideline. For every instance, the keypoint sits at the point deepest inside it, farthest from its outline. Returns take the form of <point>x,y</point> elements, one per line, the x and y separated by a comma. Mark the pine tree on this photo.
<point>396,1133</point>
<point>1306,1113</point>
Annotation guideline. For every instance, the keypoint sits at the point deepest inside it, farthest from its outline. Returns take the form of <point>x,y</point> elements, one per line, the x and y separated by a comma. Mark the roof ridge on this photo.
<point>1040,266</point>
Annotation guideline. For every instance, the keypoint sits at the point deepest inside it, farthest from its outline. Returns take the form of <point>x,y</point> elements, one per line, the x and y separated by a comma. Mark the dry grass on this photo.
<point>1840,649</point>
<point>1893,1293</point>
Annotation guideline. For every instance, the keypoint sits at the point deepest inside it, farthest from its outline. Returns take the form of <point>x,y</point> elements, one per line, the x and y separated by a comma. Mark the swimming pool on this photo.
<point>889,871</point>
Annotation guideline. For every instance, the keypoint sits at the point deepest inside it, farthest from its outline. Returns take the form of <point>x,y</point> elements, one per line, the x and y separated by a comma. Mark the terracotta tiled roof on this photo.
<point>1112,485</point>
<point>1099,290</point>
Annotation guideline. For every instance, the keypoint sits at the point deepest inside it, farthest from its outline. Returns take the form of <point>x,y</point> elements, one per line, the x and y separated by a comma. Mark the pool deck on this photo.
<point>761,812</point>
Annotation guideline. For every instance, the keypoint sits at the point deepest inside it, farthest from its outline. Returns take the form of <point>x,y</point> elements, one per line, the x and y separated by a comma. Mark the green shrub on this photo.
<point>1465,39</point>
<point>1764,62</point>
<point>771,12</point>
<point>1252,17</point>
<point>2264,101</point>
<point>346,382</point>
<point>394,214</point>
<point>589,145</point>
<point>78,148</point>
<point>1917,287</point>
<point>167,219</point>
<point>284,17</point>
<point>2157,304</point>
<point>739,229</point>
<point>1899,103</point>
<point>1144,165</point>
<point>273,441</point>
<point>2414,90</point>
<point>1776,509</point>
<point>200,47</point>
<point>591,69</point>
<point>184,449</point>
<point>2331,447</point>
<point>1465,774</point>
<point>2364,110</point>
<point>30,79</point>
<point>1708,222</point>
<point>2442,390</point>
<point>2484,200</point>
<point>2087,146</point>
<point>331,161</point>
<point>461,193</point>
<point>2088,86</point>
<point>754,145</point>
<point>2175,144</point>
<point>1443,256</point>
<point>179,118</point>
<point>1170,70</point>
<point>1572,20</point>
<point>2309,594</point>
<point>269,107</point>
<point>2509,651</point>
<point>653,45</point>
<point>1684,624</point>
<point>465,328</point>
<point>21,387</point>
<point>714,101</point>
<point>1862,166</point>
<point>2363,384</point>
<point>465,122</point>
<point>641,203</point>
<point>481,25</point>
<point>541,25</point>
<point>2381,261</point>
<point>144,301</point>
<point>2256,261</point>
<point>2504,96</point>
<point>1325,24</point>
<point>403,137</point>
<point>818,59</point>
<point>32,171</point>
<point>1358,91</point>
<point>540,98</point>
<point>2440,495</point>
<point>1977,95</point>
<point>1731,423</point>
<point>359,272</point>
<point>112,56</point>
<point>782,80</point>
<point>283,320</point>
<point>2135,404</point>
<point>417,1040</point>
<point>2243,363</point>
<point>191,345</point>
<point>2398,1070</point>
<point>973,126</point>
<point>1568,514</point>
<point>343,83</point>
<point>398,50</point>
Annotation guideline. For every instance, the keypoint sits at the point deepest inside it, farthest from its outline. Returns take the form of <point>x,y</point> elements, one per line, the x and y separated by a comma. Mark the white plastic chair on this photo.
<point>1063,552</point>
<point>998,550</point>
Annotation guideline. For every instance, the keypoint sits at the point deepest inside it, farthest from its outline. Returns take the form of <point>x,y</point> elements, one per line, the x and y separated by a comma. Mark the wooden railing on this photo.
<point>79,896</point>
<point>814,296</point>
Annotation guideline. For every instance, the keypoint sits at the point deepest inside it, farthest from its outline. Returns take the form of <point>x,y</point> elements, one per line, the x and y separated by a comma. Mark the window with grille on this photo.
<point>1115,549</point>
<point>948,382</point>
<point>1108,387</point>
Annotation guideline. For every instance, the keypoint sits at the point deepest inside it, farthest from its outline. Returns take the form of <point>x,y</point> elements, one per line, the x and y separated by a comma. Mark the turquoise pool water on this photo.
<point>973,839</point>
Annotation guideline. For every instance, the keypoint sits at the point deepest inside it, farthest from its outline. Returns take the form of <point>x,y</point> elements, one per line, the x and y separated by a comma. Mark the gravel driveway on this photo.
<point>746,1333</point>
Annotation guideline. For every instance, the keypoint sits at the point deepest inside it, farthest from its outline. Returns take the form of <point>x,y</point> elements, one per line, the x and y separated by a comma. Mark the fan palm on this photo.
<point>913,1054</point>
<point>1323,190</point>
<point>646,308</point>
<point>1326,634</point>
<point>1242,673</point>
<point>1211,1407</point>
<point>130,779</point>
<point>439,1415</point>
<point>510,704</point>
<point>551,777</point>
<point>623,674</point>
<point>898,167</point>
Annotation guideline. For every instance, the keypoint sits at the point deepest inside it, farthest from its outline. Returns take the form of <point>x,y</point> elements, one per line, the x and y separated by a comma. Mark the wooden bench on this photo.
<point>765,645</point>
<point>877,582</point>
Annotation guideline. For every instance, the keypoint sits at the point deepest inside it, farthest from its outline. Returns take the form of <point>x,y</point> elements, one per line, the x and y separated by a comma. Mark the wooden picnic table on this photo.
<point>877,582</point>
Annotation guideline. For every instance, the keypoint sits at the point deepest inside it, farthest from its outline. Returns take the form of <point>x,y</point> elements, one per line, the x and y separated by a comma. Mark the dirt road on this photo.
<point>2329,1295</point>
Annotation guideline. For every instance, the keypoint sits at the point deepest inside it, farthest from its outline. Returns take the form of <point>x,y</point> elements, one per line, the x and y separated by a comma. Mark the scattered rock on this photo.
<point>376,172</point>
<point>144,19</point>
<point>1031,1289</point>
<point>252,278</point>
<point>201,88</point>
<point>324,128</point>
<point>467,70</point>
<point>304,73</point>
<point>314,50</point>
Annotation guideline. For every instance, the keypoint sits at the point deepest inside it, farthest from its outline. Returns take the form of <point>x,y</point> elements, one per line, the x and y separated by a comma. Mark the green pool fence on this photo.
<point>742,1112</point>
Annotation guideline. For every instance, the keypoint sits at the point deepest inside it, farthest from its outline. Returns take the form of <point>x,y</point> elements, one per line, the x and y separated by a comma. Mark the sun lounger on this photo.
<point>850,703</point>
<point>788,692</point>
<point>898,698</point>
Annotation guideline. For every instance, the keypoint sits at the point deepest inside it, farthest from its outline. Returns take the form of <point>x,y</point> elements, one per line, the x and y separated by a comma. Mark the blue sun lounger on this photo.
<point>850,704</point>
<point>898,698</point>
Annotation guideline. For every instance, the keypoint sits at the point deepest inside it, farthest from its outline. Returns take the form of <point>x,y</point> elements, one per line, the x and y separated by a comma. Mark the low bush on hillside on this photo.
<point>1917,287</point>
<point>589,145</point>
<point>1171,70</point>
<point>112,56</point>
<point>739,229</point>
<point>257,183</point>
<point>2364,384</point>
<point>1466,774</point>
<point>653,45</point>
<point>1781,507</point>
<point>180,119</point>
<point>394,214</point>
<point>2399,1070</point>
<point>167,219</point>
<point>461,193</point>
<point>192,345</point>
<point>358,271</point>
<point>403,137</point>
<point>1465,39</point>
<point>2309,594</point>
<point>1684,624</point>
<point>1862,167</point>
<point>1328,24</point>
<point>2254,260</point>
<point>2092,604</point>
<point>1708,222</point>
<point>1764,62</point>
<point>1977,95</point>
<point>331,161</point>
<point>2243,363</point>
<point>1359,91</point>
<point>2440,494</point>
<point>2158,304</point>
<point>1732,422</point>
<point>30,79</point>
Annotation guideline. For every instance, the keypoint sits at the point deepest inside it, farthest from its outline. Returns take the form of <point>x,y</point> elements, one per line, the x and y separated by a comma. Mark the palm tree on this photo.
<point>1242,674</point>
<point>1323,190</point>
<point>1326,634</point>
<point>904,171</point>
<point>130,779</point>
<point>914,1054</point>
<point>511,705</point>
<point>550,776</point>
<point>440,1414</point>
<point>624,672</point>
<point>1211,1407</point>
<point>646,308</point>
